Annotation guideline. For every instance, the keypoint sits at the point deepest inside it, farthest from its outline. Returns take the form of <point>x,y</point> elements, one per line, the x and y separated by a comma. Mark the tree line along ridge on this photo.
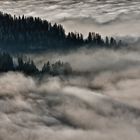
<point>32,34</point>
<point>28,67</point>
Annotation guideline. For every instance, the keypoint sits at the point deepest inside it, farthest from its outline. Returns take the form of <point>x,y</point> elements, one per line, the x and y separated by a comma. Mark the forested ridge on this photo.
<point>28,67</point>
<point>33,34</point>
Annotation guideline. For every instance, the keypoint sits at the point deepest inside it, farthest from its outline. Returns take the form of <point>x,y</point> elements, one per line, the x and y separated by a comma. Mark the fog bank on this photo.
<point>100,101</point>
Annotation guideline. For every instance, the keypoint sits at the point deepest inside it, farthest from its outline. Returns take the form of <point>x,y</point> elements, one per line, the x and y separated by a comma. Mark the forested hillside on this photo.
<point>9,63</point>
<point>33,34</point>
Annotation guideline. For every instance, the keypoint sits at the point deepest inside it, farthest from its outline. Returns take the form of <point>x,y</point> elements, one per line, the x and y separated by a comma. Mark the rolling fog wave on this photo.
<point>100,101</point>
<point>53,109</point>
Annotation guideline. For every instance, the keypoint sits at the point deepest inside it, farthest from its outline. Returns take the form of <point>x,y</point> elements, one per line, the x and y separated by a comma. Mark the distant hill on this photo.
<point>34,34</point>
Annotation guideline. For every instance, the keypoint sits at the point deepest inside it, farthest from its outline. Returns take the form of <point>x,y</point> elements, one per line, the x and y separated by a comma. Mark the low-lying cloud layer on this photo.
<point>108,17</point>
<point>100,102</point>
<point>53,109</point>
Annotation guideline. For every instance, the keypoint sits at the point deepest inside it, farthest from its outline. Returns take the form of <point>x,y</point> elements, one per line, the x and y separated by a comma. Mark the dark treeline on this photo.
<point>9,63</point>
<point>29,33</point>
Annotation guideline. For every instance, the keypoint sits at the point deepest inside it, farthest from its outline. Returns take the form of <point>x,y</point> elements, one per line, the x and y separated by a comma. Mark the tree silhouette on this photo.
<point>33,34</point>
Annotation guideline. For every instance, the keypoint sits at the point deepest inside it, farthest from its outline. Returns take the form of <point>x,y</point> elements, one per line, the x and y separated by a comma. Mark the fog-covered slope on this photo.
<point>100,97</point>
<point>102,102</point>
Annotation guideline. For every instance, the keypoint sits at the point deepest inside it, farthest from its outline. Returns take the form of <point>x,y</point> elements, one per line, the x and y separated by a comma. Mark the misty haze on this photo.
<point>69,70</point>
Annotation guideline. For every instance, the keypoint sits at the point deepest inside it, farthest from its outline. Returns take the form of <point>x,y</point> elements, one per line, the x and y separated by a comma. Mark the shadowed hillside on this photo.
<point>32,34</point>
<point>28,67</point>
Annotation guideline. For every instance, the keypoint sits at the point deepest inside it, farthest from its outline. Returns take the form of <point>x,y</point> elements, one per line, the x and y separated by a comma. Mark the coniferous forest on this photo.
<point>17,64</point>
<point>69,70</point>
<point>33,34</point>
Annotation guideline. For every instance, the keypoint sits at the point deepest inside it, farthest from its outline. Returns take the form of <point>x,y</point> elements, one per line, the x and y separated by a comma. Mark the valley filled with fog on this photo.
<point>99,100</point>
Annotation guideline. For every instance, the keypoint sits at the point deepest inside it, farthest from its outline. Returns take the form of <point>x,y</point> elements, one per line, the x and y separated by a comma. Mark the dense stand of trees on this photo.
<point>9,63</point>
<point>29,33</point>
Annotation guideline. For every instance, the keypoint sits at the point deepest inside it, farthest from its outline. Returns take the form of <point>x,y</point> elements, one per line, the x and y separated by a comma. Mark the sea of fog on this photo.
<point>108,17</point>
<point>100,101</point>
